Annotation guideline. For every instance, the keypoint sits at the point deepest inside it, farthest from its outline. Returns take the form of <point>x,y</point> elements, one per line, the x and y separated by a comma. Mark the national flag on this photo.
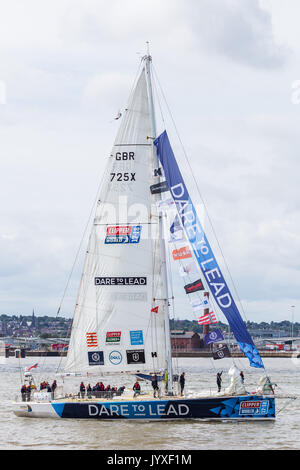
<point>32,367</point>
<point>199,304</point>
<point>182,253</point>
<point>194,287</point>
<point>165,204</point>
<point>221,352</point>
<point>213,336</point>
<point>176,236</point>
<point>118,116</point>
<point>186,269</point>
<point>159,187</point>
<point>176,225</point>
<point>155,310</point>
<point>91,339</point>
<point>207,319</point>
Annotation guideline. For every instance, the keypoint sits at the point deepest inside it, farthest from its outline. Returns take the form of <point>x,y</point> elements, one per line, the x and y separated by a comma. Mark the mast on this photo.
<point>169,387</point>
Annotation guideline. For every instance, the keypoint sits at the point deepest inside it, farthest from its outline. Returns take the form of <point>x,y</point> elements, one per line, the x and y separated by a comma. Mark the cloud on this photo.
<point>241,31</point>
<point>69,66</point>
<point>107,90</point>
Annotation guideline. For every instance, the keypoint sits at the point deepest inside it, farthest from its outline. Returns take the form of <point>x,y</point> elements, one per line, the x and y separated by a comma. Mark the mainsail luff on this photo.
<point>122,272</point>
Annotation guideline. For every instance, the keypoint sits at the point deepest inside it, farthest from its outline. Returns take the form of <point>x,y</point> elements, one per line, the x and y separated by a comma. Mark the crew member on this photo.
<point>182,382</point>
<point>28,392</point>
<point>136,389</point>
<point>82,389</point>
<point>219,380</point>
<point>120,390</point>
<point>24,392</point>
<point>155,386</point>
<point>53,388</point>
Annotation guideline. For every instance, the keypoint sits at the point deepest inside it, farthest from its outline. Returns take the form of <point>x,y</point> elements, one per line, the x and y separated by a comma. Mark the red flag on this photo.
<point>32,367</point>
<point>155,310</point>
<point>182,253</point>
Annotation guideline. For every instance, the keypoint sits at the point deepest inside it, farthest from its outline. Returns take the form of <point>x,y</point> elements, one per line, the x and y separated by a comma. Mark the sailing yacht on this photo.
<point>121,319</point>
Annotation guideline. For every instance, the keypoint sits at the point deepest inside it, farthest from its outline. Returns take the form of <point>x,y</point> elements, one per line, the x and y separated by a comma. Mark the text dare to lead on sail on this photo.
<point>120,281</point>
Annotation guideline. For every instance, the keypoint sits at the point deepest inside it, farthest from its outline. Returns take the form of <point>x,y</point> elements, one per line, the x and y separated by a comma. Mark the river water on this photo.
<point>41,434</point>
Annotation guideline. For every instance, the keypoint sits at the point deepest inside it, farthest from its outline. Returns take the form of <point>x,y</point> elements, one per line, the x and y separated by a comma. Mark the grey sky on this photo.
<point>227,69</point>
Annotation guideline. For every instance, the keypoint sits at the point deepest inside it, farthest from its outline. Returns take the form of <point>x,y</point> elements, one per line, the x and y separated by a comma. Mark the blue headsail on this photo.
<point>202,250</point>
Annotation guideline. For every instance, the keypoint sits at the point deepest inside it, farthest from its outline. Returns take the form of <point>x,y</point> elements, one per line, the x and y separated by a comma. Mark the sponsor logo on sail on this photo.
<point>115,357</point>
<point>113,337</point>
<point>120,281</point>
<point>91,339</point>
<point>135,356</point>
<point>123,234</point>
<point>136,337</point>
<point>96,358</point>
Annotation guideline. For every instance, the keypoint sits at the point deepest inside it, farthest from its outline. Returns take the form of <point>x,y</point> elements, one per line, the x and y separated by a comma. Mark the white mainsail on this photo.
<point>119,319</point>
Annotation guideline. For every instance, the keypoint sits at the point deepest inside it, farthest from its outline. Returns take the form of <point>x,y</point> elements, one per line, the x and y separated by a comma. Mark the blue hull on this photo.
<point>239,407</point>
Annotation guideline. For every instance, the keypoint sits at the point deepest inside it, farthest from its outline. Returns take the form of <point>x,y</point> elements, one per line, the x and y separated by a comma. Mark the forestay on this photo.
<point>119,316</point>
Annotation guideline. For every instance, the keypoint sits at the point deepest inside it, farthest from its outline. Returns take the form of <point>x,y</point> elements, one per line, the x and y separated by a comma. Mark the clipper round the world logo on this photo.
<point>123,234</point>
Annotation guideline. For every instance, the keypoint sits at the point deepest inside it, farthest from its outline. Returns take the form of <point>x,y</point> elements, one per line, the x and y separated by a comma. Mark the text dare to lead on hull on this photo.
<point>137,410</point>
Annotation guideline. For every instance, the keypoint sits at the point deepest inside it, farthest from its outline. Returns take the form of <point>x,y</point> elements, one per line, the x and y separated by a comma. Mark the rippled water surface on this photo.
<point>34,433</point>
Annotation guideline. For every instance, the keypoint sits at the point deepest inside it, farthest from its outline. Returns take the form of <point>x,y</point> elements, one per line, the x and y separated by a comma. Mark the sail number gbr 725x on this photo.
<point>122,177</point>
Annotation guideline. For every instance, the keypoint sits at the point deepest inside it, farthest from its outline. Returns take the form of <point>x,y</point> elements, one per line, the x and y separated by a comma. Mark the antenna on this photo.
<point>148,48</point>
